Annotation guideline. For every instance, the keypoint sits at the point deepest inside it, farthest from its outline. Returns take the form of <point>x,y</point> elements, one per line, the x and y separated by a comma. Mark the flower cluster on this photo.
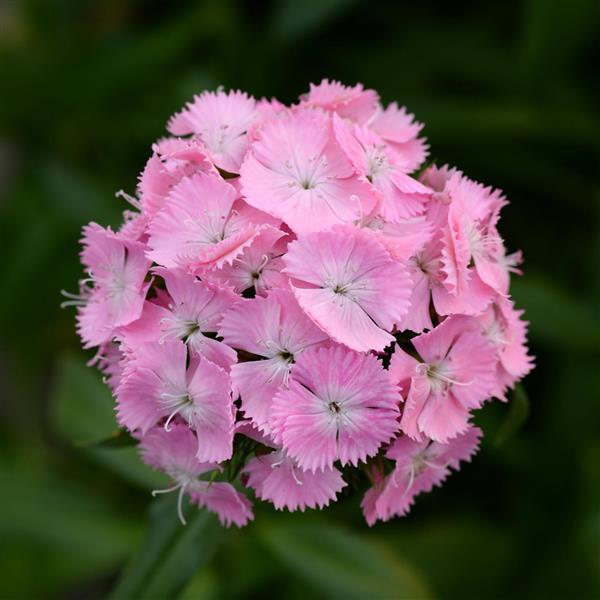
<point>295,301</point>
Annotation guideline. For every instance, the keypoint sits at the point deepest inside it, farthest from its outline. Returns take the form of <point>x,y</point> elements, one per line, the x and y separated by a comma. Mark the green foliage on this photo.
<point>341,565</point>
<point>171,554</point>
<point>508,93</point>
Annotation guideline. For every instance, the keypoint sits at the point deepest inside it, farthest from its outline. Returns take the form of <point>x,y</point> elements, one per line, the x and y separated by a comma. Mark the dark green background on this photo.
<point>508,93</point>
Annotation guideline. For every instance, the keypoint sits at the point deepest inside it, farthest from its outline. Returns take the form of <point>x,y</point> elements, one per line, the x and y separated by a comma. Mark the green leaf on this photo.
<point>342,565</point>
<point>556,315</point>
<point>294,19</point>
<point>171,554</point>
<point>72,531</point>
<point>518,411</point>
<point>117,439</point>
<point>204,585</point>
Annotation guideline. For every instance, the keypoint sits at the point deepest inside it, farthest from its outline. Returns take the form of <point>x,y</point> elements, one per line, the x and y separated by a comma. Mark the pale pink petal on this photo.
<point>341,279</point>
<point>221,121</point>
<point>197,228</point>
<point>212,417</point>
<point>354,103</point>
<point>278,479</point>
<point>297,172</point>
<point>223,499</point>
<point>340,405</point>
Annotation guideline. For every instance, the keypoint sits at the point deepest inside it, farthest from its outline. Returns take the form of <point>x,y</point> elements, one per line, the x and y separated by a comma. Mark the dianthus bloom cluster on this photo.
<point>296,302</point>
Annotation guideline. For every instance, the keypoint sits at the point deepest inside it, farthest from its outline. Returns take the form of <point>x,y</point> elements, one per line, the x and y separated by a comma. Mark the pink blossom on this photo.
<point>173,452</point>
<point>399,129</point>
<point>353,103</point>
<point>220,121</point>
<point>455,374</point>
<point>198,228</point>
<point>277,478</point>
<point>507,331</point>
<point>342,281</point>
<point>275,330</point>
<point>284,278</point>
<point>296,171</point>
<point>420,466</point>
<point>156,384</point>
<point>173,159</point>
<point>117,270</point>
<point>339,405</point>
<point>259,266</point>
<point>400,196</point>
<point>191,312</point>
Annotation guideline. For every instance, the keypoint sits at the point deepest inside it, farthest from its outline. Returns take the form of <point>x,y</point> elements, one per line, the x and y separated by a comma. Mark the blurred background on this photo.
<point>509,92</point>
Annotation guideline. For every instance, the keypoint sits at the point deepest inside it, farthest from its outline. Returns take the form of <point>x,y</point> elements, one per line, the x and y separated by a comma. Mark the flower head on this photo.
<point>288,297</point>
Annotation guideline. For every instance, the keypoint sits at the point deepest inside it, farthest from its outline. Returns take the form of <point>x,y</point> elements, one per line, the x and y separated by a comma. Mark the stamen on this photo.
<point>295,476</point>
<point>129,198</point>
<point>170,418</point>
<point>180,505</point>
<point>167,490</point>
<point>182,488</point>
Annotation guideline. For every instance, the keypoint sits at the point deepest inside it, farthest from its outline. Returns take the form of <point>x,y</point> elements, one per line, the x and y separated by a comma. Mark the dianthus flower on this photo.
<point>294,305</point>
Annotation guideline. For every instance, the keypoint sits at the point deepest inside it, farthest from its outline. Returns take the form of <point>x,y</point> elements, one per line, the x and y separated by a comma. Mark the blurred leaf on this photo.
<point>464,556</point>
<point>170,555</point>
<point>203,586</point>
<point>343,565</point>
<point>82,412</point>
<point>293,19</point>
<point>118,439</point>
<point>555,315</point>
<point>575,23</point>
<point>77,198</point>
<point>51,516</point>
<point>518,411</point>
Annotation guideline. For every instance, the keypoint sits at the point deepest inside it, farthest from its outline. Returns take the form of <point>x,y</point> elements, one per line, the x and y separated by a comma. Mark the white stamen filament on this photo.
<point>129,198</point>
<point>182,488</point>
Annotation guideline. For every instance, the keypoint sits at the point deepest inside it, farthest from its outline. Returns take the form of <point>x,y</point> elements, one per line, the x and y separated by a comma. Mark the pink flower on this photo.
<point>117,270</point>
<point>342,281</point>
<point>507,331</point>
<point>296,171</point>
<point>192,314</point>
<point>277,478</point>
<point>400,196</point>
<point>173,159</point>
<point>259,266</point>
<point>339,405</point>
<point>198,228</point>
<point>156,384</point>
<point>173,452</point>
<point>399,129</point>
<point>353,103</point>
<point>273,260</point>
<point>457,374</point>
<point>220,121</point>
<point>403,239</point>
<point>420,466</point>
<point>275,330</point>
